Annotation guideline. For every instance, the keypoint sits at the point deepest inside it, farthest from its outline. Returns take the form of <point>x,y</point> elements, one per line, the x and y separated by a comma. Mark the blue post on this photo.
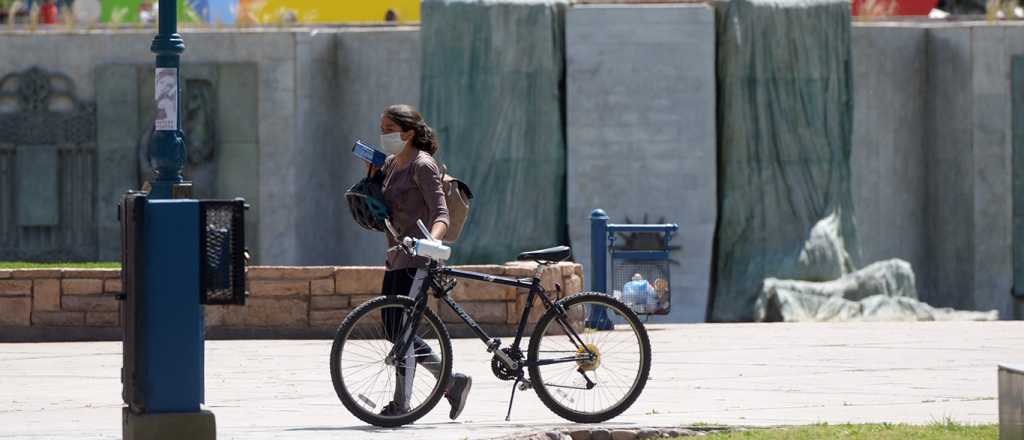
<point>172,318</point>
<point>169,364</point>
<point>167,145</point>
<point>598,251</point>
<point>599,267</point>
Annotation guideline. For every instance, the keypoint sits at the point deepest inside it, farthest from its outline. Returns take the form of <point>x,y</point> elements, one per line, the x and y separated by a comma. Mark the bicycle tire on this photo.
<point>337,347</point>
<point>537,378</point>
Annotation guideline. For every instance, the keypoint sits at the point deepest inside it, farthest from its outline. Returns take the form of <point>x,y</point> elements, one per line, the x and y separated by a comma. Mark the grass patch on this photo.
<point>77,265</point>
<point>946,430</point>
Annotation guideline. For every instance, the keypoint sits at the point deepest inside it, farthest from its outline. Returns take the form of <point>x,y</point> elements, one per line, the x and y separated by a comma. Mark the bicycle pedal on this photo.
<point>367,401</point>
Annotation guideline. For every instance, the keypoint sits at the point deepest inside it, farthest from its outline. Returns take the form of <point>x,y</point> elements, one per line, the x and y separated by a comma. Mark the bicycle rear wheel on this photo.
<point>576,385</point>
<point>367,382</point>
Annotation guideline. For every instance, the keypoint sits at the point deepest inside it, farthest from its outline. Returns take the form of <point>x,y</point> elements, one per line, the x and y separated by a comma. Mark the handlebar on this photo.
<point>424,247</point>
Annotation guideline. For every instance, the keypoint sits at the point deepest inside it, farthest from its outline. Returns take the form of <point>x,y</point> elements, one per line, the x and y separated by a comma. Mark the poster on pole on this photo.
<point>166,82</point>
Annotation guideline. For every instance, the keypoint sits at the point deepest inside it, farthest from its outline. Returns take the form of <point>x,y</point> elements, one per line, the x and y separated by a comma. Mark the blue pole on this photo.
<point>598,251</point>
<point>170,316</point>
<point>167,146</point>
<point>599,267</point>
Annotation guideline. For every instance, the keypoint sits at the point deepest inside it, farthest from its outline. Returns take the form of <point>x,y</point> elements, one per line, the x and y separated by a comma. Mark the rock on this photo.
<point>600,434</point>
<point>883,291</point>
<point>797,300</point>
<point>825,287</point>
<point>554,435</point>
<point>580,434</point>
<point>82,286</point>
<point>824,255</point>
<point>620,434</point>
<point>645,434</point>
<point>46,295</point>
<point>322,287</point>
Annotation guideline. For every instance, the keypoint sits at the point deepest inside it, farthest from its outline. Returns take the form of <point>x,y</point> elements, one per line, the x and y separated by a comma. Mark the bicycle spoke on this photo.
<point>369,381</point>
<point>614,372</point>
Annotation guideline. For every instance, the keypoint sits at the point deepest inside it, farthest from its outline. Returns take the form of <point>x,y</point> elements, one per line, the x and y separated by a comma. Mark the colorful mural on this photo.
<point>229,12</point>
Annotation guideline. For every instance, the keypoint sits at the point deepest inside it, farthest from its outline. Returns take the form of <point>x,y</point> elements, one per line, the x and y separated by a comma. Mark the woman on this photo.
<point>412,191</point>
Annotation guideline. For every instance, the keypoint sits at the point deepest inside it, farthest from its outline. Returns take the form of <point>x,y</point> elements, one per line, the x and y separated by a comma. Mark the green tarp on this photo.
<point>785,117</point>
<point>492,86</point>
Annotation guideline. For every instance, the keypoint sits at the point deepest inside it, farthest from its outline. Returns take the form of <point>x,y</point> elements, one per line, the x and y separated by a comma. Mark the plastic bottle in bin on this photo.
<point>640,295</point>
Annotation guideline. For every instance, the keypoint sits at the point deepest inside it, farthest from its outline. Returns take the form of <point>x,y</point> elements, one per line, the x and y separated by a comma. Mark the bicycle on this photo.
<point>401,345</point>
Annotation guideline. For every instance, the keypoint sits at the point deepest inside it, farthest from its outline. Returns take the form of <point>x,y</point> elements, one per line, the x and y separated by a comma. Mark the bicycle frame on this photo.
<point>425,279</point>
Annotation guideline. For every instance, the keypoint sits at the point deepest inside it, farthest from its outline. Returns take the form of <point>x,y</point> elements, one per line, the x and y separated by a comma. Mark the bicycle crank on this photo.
<point>501,370</point>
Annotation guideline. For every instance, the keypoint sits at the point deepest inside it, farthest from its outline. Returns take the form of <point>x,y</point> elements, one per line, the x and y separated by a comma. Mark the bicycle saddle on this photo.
<point>557,253</point>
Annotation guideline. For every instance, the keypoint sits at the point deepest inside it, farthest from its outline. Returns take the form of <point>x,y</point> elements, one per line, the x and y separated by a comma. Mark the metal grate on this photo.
<point>223,248</point>
<point>652,296</point>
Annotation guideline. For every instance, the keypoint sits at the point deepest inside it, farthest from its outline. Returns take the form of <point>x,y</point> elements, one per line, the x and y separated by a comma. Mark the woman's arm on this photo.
<point>439,230</point>
<point>428,179</point>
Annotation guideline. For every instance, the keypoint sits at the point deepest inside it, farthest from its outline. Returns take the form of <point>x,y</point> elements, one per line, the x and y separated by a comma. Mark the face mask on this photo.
<point>392,143</point>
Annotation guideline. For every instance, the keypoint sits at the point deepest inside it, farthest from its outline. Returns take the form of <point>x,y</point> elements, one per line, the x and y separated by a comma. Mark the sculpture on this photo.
<point>829,288</point>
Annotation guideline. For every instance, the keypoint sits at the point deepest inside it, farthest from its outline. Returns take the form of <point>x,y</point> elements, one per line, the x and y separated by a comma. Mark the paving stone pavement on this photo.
<point>738,374</point>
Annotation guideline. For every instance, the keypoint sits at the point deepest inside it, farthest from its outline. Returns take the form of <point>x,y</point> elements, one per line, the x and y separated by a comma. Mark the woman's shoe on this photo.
<point>457,394</point>
<point>394,409</point>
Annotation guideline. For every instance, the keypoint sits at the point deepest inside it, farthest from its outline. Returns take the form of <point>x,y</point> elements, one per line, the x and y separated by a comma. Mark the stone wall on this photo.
<point>284,302</point>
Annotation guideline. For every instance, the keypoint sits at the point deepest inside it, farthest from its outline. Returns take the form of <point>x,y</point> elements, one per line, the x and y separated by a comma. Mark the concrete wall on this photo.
<point>376,68</point>
<point>641,131</point>
<point>888,148</point>
<point>351,76</point>
<point>85,56</point>
<point>311,93</point>
<point>949,168</point>
<point>932,156</point>
<point>931,149</point>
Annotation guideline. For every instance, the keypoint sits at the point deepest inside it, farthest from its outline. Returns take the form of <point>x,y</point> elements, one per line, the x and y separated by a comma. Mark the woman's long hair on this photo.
<point>408,118</point>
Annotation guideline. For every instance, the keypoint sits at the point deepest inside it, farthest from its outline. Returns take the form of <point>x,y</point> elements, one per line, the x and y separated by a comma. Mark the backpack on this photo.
<point>457,196</point>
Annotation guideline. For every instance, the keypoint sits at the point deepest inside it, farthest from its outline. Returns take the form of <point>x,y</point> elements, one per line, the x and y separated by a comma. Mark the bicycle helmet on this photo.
<point>366,202</point>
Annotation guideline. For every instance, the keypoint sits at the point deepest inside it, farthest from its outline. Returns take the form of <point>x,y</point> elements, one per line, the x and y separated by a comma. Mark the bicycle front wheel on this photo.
<point>377,389</point>
<point>601,373</point>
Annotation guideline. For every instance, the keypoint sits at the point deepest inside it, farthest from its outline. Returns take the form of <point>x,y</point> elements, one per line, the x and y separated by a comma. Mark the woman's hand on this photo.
<point>371,170</point>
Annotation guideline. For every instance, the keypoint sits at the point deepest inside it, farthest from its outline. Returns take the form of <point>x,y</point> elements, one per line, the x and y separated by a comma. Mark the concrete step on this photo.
<point>1011,402</point>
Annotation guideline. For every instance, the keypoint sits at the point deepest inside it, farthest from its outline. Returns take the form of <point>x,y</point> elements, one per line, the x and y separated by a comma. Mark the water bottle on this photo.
<point>640,294</point>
